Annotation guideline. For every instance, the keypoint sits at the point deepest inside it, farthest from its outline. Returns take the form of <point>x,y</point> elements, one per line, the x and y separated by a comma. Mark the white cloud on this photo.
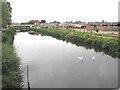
<point>65,10</point>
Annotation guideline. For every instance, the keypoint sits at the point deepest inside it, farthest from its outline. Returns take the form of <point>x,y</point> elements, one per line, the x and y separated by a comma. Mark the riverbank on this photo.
<point>11,72</point>
<point>99,42</point>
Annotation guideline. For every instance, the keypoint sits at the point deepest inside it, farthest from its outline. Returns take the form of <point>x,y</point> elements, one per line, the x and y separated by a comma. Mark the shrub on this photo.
<point>11,73</point>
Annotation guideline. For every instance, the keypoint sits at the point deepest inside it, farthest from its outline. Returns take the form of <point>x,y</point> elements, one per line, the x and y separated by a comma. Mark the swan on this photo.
<point>93,58</point>
<point>80,57</point>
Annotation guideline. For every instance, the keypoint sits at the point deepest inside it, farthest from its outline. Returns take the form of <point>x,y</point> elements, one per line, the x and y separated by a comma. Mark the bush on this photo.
<point>11,73</point>
<point>97,30</point>
<point>8,36</point>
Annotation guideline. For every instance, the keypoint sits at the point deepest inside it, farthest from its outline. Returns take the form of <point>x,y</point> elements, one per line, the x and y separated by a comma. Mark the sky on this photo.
<point>64,10</point>
<point>119,12</point>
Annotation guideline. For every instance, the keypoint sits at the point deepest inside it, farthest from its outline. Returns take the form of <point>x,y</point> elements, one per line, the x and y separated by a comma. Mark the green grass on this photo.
<point>11,73</point>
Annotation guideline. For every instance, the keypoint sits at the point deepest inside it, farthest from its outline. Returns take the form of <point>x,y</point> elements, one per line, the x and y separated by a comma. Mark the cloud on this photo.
<point>64,10</point>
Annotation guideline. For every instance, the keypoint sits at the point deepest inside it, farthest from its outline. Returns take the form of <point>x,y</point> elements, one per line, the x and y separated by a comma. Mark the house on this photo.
<point>45,25</point>
<point>35,22</point>
<point>111,27</point>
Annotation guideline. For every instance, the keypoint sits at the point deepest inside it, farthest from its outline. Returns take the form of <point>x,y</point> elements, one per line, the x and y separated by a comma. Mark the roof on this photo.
<point>35,21</point>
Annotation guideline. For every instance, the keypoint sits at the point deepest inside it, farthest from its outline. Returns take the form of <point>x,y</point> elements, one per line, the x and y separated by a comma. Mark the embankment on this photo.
<point>109,44</point>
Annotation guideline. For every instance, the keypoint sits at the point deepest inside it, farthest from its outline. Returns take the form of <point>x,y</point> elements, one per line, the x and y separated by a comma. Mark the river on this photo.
<point>58,64</point>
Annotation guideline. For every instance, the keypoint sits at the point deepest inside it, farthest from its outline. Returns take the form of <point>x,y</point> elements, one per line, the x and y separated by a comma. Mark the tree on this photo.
<point>55,22</point>
<point>43,21</point>
<point>97,30</point>
<point>118,24</point>
<point>0,14</point>
<point>103,21</point>
<point>6,14</point>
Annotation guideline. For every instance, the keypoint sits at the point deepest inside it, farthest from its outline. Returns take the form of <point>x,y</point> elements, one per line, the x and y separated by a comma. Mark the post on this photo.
<point>28,78</point>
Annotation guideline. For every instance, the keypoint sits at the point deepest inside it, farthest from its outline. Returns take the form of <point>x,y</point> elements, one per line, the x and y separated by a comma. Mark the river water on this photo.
<point>58,64</point>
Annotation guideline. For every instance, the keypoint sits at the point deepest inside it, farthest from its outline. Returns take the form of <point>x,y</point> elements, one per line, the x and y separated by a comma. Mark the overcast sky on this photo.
<point>64,10</point>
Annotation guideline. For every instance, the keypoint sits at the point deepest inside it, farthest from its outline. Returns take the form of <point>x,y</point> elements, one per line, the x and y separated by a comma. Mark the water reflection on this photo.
<point>55,64</point>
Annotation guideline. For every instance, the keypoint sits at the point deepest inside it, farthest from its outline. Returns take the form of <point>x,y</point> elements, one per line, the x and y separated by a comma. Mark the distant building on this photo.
<point>35,22</point>
<point>16,23</point>
<point>45,25</point>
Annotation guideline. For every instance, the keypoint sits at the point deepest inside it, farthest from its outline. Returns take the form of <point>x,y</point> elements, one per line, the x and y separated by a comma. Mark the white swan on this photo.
<point>80,57</point>
<point>93,58</point>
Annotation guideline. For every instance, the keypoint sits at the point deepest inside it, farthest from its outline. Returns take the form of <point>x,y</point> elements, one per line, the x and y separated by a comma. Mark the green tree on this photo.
<point>118,24</point>
<point>43,21</point>
<point>6,14</point>
<point>97,30</point>
<point>56,22</point>
<point>0,14</point>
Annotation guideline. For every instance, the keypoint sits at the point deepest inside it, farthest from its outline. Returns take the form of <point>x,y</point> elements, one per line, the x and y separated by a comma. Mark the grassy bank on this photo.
<point>11,73</point>
<point>101,43</point>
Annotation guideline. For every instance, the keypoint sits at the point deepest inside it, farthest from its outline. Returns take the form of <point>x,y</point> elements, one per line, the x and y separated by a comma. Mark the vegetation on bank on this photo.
<point>101,43</point>
<point>11,72</point>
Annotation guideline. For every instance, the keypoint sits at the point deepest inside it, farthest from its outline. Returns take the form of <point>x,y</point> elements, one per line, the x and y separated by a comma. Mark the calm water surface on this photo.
<point>55,64</point>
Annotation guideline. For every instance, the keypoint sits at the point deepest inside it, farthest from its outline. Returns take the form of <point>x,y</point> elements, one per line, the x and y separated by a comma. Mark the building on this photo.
<point>35,22</point>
